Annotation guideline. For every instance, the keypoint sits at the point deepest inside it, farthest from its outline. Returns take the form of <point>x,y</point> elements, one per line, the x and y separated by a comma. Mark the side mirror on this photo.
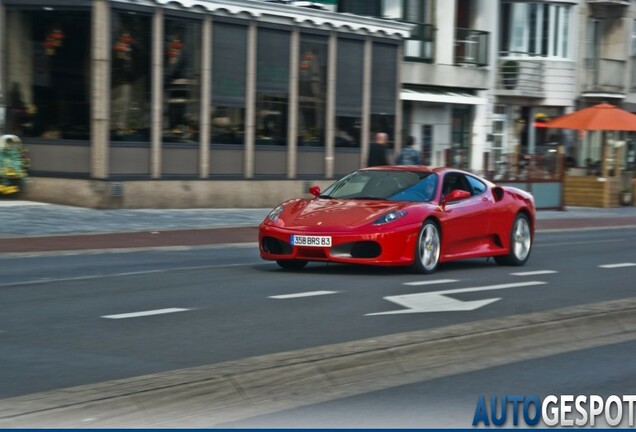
<point>498,193</point>
<point>315,191</point>
<point>455,195</point>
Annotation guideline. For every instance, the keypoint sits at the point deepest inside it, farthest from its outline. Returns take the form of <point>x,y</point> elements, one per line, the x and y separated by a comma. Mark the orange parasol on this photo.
<point>602,117</point>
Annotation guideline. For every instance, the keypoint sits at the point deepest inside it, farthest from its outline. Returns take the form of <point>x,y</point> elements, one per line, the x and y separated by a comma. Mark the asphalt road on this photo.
<point>451,402</point>
<point>64,324</point>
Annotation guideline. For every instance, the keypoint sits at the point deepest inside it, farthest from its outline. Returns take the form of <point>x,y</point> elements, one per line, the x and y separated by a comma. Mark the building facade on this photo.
<point>445,73</point>
<point>188,103</point>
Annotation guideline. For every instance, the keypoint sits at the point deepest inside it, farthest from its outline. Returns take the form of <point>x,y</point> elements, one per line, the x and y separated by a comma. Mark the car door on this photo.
<point>466,224</point>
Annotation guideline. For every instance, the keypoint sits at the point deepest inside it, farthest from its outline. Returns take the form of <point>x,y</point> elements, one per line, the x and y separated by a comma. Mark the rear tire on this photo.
<point>427,248</point>
<point>520,243</point>
<point>291,264</point>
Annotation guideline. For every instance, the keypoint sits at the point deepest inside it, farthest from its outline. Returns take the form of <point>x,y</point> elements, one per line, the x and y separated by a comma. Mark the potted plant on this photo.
<point>510,74</point>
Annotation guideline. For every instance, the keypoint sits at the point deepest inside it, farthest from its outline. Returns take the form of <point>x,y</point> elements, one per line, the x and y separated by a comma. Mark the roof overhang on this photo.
<point>261,10</point>
<point>604,95</point>
<point>441,96</point>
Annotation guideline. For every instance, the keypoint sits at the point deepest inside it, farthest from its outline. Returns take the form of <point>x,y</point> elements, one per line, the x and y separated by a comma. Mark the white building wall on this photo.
<point>487,18</point>
<point>559,83</point>
<point>438,116</point>
<point>445,35</point>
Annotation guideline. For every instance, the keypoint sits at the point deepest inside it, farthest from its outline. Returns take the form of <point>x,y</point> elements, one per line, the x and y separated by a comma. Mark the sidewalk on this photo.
<point>37,227</point>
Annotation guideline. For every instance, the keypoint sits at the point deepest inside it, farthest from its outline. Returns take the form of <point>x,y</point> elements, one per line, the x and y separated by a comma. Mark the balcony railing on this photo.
<point>520,78</point>
<point>419,46</point>
<point>471,47</point>
<point>605,75</point>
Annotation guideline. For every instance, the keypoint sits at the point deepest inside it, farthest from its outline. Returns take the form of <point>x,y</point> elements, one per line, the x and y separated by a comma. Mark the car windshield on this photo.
<point>384,185</point>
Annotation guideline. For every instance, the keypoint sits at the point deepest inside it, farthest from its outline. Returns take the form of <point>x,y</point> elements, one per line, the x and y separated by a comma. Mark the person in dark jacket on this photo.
<point>377,150</point>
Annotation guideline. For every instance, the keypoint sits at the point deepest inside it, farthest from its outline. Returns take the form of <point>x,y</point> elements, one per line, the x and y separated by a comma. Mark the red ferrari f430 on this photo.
<point>402,216</point>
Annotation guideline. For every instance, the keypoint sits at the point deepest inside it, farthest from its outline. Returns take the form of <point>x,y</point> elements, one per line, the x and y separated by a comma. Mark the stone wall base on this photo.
<point>106,194</point>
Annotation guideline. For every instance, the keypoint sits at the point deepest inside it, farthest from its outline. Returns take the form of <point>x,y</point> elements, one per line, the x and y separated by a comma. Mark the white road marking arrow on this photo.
<point>436,301</point>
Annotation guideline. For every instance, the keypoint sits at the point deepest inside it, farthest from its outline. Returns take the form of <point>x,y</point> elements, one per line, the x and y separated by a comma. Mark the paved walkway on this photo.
<point>37,227</point>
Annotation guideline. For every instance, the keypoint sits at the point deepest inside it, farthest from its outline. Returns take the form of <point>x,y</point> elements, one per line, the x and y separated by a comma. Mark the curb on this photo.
<point>130,240</point>
<point>214,394</point>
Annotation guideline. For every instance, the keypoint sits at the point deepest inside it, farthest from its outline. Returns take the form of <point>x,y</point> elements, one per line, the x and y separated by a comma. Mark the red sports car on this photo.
<point>399,216</point>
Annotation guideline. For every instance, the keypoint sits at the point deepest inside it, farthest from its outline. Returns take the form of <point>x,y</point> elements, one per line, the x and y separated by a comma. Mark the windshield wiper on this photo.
<point>324,196</point>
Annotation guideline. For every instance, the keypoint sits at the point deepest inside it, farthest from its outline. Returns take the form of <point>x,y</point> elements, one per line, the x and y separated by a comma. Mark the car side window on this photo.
<point>478,187</point>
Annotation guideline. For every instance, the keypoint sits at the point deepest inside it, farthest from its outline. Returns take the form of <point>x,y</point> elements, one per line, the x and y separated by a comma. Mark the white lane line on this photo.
<point>145,313</point>
<point>125,274</point>
<point>572,243</point>
<point>534,273</point>
<point>430,282</point>
<point>302,294</point>
<point>20,255</point>
<point>619,265</point>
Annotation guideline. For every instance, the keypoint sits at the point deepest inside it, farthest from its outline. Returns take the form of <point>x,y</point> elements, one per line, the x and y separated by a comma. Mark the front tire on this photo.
<point>291,264</point>
<point>427,249</point>
<point>520,243</point>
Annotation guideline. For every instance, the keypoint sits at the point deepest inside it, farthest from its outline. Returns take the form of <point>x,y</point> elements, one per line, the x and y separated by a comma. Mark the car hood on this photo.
<point>336,213</point>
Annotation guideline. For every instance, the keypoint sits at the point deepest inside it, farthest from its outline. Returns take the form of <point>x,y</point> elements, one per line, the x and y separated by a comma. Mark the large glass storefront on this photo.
<point>56,69</point>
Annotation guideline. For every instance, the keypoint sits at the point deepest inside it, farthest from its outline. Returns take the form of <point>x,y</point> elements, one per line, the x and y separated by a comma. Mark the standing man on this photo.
<point>377,150</point>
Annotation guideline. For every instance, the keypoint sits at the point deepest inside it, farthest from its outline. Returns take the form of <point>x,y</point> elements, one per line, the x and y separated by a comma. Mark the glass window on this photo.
<point>427,145</point>
<point>420,44</point>
<point>460,136</point>
<point>312,90</point>
<point>48,74</point>
<point>389,185</point>
<point>349,65</point>
<point>229,68</point>
<point>182,84</point>
<point>360,7</point>
<point>383,79</point>
<point>633,55</point>
<point>478,186</point>
<point>535,28</point>
<point>497,157</point>
<point>130,78</point>
<point>392,9</point>
<point>272,86</point>
<point>384,92</point>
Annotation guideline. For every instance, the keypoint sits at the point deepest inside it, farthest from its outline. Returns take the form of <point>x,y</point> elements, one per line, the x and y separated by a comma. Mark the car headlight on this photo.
<point>274,214</point>
<point>390,217</point>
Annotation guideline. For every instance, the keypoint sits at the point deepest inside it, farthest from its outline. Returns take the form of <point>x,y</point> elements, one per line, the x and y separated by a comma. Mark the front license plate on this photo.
<point>313,241</point>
